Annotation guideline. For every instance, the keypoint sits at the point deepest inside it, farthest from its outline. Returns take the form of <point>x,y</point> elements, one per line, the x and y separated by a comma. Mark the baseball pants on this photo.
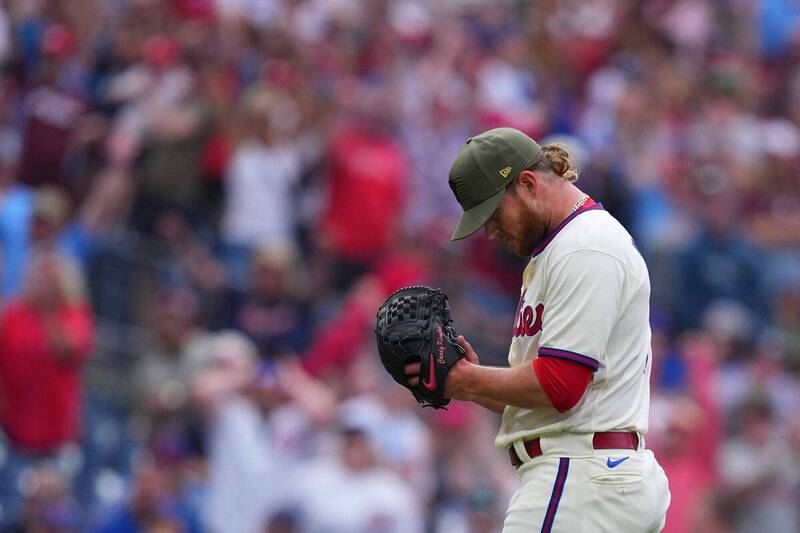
<point>592,491</point>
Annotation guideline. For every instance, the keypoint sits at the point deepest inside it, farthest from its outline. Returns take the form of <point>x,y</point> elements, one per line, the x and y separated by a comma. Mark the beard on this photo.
<point>532,230</point>
<point>524,226</point>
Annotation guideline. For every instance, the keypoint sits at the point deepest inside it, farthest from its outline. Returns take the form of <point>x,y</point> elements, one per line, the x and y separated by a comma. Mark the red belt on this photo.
<point>601,441</point>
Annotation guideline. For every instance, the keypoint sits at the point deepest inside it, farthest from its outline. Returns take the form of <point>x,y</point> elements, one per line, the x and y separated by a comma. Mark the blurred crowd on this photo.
<point>203,202</point>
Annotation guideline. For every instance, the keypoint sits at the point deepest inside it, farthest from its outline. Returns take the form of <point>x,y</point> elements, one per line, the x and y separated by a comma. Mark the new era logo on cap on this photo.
<point>505,172</point>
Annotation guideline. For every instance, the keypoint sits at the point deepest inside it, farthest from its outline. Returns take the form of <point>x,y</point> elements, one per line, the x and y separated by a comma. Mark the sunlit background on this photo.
<point>204,202</point>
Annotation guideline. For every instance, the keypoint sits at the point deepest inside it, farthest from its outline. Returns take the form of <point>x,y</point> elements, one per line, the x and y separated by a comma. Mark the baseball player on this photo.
<point>576,396</point>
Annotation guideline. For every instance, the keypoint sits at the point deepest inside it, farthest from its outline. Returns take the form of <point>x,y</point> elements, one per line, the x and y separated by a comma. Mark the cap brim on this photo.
<point>476,216</point>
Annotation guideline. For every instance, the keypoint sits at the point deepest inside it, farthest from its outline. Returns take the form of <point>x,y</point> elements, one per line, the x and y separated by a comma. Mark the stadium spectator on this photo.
<point>46,335</point>
<point>757,465</point>
<point>273,311</point>
<point>352,491</point>
<point>164,371</point>
<point>720,264</point>
<point>36,217</point>
<point>260,197</point>
<point>686,432</point>
<point>155,504</point>
<point>160,146</point>
<point>258,431</point>
<point>49,506</point>
<point>366,180</point>
<point>53,111</point>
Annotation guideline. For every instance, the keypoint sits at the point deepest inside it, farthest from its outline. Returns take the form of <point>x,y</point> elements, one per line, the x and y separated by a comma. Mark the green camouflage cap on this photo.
<point>482,170</point>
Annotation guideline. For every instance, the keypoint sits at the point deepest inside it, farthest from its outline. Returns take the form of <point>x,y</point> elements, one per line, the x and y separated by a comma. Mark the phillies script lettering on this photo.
<point>527,322</point>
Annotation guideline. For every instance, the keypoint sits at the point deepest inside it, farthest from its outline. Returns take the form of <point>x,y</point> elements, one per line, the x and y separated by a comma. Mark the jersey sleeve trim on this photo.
<point>572,356</point>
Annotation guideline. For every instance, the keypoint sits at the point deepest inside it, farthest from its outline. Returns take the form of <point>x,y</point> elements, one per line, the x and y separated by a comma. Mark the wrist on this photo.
<point>463,377</point>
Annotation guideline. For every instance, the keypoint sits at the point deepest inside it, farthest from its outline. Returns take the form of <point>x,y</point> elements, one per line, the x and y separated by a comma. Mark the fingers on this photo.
<point>463,343</point>
<point>469,353</point>
<point>412,371</point>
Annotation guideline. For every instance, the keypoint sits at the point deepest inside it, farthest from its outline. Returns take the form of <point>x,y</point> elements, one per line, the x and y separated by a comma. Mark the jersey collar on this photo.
<point>588,205</point>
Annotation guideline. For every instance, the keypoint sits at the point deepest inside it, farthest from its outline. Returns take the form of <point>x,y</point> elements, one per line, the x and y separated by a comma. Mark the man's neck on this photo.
<point>566,199</point>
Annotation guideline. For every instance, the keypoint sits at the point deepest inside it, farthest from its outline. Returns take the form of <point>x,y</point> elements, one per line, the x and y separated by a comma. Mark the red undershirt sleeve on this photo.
<point>564,381</point>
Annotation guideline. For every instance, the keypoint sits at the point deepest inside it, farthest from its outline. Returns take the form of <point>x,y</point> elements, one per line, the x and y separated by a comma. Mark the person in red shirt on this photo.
<point>367,171</point>
<point>689,444</point>
<point>45,337</point>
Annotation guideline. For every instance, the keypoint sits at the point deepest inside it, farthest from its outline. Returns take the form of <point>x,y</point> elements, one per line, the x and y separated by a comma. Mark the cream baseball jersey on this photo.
<point>585,297</point>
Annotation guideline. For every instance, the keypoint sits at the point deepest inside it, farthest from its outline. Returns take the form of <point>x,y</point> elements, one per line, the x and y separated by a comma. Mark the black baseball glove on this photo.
<point>414,326</point>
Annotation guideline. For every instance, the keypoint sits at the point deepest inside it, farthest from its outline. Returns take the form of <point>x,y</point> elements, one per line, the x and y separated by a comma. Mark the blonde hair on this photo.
<point>70,278</point>
<point>555,157</point>
<point>254,112</point>
<point>284,257</point>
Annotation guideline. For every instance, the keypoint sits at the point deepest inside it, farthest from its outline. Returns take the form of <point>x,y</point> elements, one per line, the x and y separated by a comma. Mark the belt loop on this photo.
<point>522,453</point>
<point>641,442</point>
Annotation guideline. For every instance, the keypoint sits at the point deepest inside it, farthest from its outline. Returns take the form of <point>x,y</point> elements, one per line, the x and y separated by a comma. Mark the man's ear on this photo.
<point>528,181</point>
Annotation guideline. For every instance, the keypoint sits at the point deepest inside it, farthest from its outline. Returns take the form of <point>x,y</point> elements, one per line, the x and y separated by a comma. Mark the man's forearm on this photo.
<point>497,407</point>
<point>507,386</point>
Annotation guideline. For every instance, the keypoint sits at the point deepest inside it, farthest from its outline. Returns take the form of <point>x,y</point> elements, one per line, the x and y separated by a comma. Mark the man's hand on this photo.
<point>454,386</point>
<point>414,325</point>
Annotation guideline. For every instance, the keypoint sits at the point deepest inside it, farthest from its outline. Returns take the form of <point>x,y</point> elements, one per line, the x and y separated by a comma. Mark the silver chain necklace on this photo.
<point>580,202</point>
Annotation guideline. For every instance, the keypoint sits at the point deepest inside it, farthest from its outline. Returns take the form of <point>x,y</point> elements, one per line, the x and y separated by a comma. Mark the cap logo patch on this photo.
<point>505,172</point>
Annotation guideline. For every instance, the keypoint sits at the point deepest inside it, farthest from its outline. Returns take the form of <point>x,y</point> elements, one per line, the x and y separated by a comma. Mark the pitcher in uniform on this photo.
<point>576,395</point>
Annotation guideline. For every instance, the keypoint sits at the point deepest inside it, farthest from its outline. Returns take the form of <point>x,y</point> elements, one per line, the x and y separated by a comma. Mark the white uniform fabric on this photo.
<point>585,297</point>
<point>602,491</point>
